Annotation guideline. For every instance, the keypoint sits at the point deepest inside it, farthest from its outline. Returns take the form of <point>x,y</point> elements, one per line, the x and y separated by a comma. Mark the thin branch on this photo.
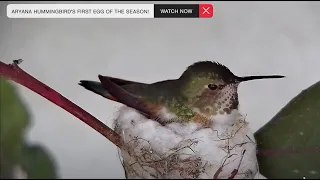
<point>235,171</point>
<point>16,74</point>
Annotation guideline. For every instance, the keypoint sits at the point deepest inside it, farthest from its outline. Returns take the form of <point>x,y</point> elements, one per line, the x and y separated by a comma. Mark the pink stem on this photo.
<point>16,74</point>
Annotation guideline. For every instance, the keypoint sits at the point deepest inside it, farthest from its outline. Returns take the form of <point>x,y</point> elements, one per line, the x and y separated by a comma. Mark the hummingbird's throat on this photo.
<point>210,103</point>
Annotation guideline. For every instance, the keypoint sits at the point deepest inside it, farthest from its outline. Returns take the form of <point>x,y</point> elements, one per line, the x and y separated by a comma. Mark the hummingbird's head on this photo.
<point>212,87</point>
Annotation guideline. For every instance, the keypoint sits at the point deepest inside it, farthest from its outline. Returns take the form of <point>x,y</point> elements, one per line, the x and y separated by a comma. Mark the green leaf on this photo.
<point>14,119</point>
<point>289,144</point>
<point>37,163</point>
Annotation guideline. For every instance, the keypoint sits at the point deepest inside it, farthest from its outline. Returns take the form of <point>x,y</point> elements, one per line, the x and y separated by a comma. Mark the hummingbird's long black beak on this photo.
<point>249,78</point>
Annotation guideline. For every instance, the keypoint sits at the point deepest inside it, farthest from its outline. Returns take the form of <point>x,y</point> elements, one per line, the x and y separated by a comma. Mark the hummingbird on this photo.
<point>204,90</point>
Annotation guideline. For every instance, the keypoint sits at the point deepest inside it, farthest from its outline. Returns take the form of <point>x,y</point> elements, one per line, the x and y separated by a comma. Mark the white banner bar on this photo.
<point>80,11</point>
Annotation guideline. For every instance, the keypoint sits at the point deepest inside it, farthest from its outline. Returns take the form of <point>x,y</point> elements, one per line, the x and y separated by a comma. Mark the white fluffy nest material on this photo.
<point>177,151</point>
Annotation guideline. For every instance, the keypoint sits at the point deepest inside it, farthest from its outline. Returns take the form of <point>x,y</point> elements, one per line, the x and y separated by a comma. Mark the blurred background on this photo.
<point>251,38</point>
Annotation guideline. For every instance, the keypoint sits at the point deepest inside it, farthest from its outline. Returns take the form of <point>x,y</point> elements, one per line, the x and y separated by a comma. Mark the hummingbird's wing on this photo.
<point>115,89</point>
<point>122,82</point>
<point>98,88</point>
<point>123,96</point>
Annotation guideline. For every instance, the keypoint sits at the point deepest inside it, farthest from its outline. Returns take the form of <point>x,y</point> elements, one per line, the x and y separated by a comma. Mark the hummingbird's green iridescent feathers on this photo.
<point>208,69</point>
<point>195,79</point>
<point>194,86</point>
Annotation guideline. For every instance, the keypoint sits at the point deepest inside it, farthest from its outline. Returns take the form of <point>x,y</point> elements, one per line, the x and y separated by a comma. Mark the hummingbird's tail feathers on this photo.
<point>125,97</point>
<point>249,78</point>
<point>97,88</point>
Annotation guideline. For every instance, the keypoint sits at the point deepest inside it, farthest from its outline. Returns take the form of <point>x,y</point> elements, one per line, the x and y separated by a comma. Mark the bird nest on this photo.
<point>144,162</point>
<point>140,161</point>
<point>148,152</point>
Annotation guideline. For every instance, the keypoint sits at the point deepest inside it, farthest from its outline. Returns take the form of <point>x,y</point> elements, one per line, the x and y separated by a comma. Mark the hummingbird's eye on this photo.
<point>212,87</point>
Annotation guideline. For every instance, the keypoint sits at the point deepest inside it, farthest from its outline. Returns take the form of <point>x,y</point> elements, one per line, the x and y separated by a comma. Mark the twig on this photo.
<point>235,171</point>
<point>217,173</point>
<point>16,74</point>
<point>229,155</point>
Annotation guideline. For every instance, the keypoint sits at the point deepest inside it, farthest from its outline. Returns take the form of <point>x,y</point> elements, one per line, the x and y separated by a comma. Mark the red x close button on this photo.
<point>205,10</point>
